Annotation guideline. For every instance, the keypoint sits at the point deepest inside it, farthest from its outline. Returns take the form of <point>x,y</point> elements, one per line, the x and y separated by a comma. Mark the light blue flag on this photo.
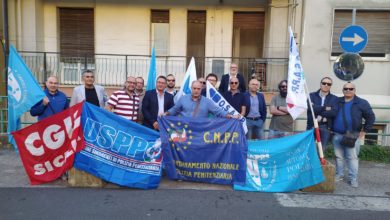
<point>23,91</point>
<point>151,84</point>
<point>282,164</point>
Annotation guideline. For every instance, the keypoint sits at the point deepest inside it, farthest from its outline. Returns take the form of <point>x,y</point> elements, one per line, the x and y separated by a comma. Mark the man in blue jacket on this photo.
<point>351,112</point>
<point>325,109</point>
<point>256,110</point>
<point>54,102</point>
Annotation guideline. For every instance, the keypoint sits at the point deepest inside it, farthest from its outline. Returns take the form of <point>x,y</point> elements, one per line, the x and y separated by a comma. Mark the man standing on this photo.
<point>325,109</point>
<point>156,102</point>
<point>125,102</point>
<point>256,110</point>
<point>54,102</point>
<point>235,98</point>
<point>89,92</point>
<point>140,92</point>
<point>281,121</point>
<point>349,119</point>
<point>195,105</point>
<point>212,79</point>
<point>224,86</point>
<point>171,85</point>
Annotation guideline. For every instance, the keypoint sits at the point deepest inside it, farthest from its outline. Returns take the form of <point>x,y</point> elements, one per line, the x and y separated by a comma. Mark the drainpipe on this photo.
<point>6,41</point>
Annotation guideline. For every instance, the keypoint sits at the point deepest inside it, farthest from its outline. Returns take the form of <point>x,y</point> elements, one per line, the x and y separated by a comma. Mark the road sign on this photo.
<point>353,39</point>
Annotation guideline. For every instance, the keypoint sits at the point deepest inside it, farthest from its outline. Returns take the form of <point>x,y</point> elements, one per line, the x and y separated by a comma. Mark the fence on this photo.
<point>113,69</point>
<point>380,135</point>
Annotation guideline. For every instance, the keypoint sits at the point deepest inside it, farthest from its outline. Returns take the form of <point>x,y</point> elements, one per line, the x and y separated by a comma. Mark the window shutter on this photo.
<point>77,32</point>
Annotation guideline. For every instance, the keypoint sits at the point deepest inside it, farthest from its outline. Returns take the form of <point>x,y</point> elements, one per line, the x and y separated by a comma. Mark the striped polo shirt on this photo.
<point>125,105</point>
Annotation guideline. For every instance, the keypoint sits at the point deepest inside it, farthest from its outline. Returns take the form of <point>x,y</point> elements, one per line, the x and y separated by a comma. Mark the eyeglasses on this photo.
<point>171,80</point>
<point>348,89</point>
<point>204,83</point>
<point>129,82</point>
<point>234,83</point>
<point>283,87</point>
<point>326,84</point>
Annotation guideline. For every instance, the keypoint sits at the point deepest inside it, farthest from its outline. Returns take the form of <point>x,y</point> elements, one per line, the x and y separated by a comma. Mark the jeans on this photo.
<point>277,134</point>
<point>324,135</point>
<point>256,128</point>
<point>349,155</point>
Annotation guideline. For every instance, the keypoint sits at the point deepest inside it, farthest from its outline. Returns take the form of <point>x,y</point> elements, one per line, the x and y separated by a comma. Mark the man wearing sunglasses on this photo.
<point>349,118</point>
<point>325,109</point>
<point>234,97</point>
<point>281,121</point>
<point>171,85</point>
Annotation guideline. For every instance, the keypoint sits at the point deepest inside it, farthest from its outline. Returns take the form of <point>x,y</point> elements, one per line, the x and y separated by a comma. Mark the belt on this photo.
<point>253,118</point>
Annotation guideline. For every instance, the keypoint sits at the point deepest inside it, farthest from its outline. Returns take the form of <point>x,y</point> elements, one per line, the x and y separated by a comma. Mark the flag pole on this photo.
<point>316,129</point>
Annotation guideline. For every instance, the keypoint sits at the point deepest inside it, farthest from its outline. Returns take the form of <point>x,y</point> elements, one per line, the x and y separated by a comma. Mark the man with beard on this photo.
<point>281,121</point>
<point>90,92</point>
<point>140,91</point>
<point>171,85</point>
<point>125,102</point>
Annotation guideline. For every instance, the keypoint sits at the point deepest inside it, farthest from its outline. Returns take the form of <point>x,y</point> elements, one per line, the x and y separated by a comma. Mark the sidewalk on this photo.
<point>373,180</point>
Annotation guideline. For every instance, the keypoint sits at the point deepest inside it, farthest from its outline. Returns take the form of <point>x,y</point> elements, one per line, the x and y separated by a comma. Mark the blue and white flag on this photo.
<point>220,101</point>
<point>211,150</point>
<point>151,84</point>
<point>23,91</point>
<point>189,77</point>
<point>282,164</point>
<point>296,95</point>
<point>118,150</point>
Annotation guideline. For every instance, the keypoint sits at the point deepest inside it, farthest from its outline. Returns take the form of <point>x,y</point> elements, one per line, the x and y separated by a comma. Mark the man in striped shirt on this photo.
<point>125,102</point>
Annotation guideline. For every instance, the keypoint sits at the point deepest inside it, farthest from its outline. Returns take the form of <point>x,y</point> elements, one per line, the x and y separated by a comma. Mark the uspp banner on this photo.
<point>282,164</point>
<point>118,150</point>
<point>203,150</point>
<point>47,148</point>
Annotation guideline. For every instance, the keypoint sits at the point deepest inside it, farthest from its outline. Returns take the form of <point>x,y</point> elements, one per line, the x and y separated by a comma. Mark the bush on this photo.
<point>367,152</point>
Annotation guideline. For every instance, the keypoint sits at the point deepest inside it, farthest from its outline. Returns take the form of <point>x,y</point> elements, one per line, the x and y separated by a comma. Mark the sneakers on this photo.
<point>338,178</point>
<point>354,183</point>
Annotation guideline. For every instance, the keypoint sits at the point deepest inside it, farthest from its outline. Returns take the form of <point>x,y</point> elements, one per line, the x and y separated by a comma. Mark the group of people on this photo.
<point>336,115</point>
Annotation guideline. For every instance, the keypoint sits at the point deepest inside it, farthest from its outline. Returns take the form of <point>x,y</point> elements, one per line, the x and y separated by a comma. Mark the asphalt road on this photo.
<point>86,203</point>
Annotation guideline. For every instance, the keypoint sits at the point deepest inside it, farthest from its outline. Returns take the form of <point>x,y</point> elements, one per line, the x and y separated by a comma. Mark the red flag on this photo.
<point>47,148</point>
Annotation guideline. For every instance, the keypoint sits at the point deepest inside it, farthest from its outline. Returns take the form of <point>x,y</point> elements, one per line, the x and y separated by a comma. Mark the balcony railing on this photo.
<point>113,69</point>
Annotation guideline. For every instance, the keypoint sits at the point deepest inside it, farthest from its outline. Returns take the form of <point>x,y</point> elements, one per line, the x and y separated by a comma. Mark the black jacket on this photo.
<point>224,85</point>
<point>150,106</point>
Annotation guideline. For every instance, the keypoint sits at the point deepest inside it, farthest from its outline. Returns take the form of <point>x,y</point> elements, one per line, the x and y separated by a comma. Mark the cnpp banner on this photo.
<point>203,150</point>
<point>282,164</point>
<point>118,150</point>
<point>47,148</point>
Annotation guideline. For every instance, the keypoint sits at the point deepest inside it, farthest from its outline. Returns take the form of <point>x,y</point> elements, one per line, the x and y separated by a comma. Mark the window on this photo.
<point>160,32</point>
<point>76,32</point>
<point>377,25</point>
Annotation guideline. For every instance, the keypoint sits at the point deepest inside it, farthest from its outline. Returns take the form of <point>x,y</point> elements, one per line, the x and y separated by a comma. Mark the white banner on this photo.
<point>296,95</point>
<point>189,77</point>
<point>220,101</point>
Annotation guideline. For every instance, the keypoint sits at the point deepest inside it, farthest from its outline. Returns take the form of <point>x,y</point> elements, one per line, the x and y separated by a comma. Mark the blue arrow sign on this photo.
<point>353,39</point>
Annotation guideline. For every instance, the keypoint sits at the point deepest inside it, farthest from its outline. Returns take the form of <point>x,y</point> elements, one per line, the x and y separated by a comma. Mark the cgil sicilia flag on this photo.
<point>296,95</point>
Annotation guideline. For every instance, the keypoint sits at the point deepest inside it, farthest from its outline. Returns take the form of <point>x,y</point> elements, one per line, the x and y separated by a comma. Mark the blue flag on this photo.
<point>118,150</point>
<point>203,150</point>
<point>23,91</point>
<point>151,84</point>
<point>282,164</point>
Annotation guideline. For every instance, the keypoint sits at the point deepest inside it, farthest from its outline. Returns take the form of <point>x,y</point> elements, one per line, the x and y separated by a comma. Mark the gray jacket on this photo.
<point>79,95</point>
